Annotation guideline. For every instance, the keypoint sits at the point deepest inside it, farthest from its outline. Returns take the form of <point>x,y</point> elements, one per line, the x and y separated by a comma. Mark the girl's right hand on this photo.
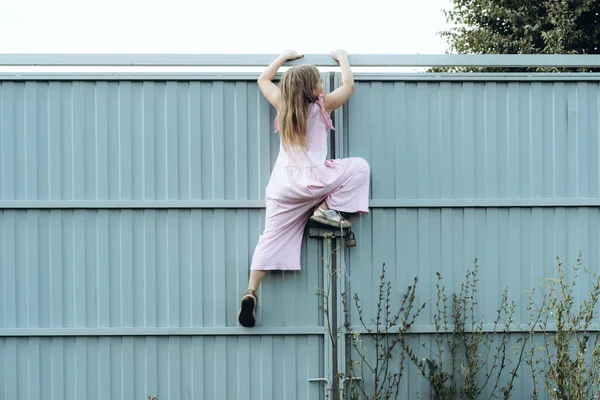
<point>291,54</point>
<point>340,53</point>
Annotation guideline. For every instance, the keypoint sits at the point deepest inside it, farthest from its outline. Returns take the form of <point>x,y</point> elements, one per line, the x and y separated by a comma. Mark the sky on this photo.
<point>225,26</point>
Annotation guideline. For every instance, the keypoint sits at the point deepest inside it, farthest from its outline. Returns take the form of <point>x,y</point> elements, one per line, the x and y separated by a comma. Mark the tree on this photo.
<point>524,27</point>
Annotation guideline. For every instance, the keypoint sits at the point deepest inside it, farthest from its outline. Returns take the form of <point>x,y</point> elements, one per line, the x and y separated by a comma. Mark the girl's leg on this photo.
<point>256,276</point>
<point>323,206</point>
<point>352,195</point>
<point>247,314</point>
<point>278,248</point>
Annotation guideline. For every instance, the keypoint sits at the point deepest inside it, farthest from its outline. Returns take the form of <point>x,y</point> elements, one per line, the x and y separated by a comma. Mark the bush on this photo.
<point>387,333</point>
<point>457,367</point>
<point>469,362</point>
<point>571,352</point>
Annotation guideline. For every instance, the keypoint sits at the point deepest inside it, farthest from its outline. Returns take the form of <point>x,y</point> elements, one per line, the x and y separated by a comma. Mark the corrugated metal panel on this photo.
<point>456,140</point>
<point>98,291</point>
<point>134,140</point>
<point>515,247</point>
<point>475,140</point>
<point>150,268</point>
<point>195,368</point>
<point>439,142</point>
<point>140,297</point>
<point>414,386</point>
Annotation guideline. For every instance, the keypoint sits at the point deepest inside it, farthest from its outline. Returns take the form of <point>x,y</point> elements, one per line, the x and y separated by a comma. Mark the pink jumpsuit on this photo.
<point>300,181</point>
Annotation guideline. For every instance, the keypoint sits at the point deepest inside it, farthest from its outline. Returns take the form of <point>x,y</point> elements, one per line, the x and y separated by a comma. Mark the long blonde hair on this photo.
<point>297,92</point>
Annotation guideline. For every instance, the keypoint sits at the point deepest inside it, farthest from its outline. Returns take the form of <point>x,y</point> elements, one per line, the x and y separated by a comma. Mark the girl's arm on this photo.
<point>265,82</point>
<point>339,96</point>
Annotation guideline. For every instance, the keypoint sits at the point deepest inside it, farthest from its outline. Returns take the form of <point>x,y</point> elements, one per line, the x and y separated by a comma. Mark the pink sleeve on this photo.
<point>324,114</point>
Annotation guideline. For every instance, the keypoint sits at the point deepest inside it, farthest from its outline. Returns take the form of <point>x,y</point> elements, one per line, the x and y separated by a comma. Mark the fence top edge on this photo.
<point>261,60</point>
<point>249,77</point>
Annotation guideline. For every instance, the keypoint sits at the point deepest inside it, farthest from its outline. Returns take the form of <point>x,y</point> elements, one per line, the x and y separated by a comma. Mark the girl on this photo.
<point>302,178</point>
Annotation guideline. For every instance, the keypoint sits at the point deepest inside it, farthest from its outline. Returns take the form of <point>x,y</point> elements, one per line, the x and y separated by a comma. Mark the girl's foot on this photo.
<point>330,218</point>
<point>247,314</point>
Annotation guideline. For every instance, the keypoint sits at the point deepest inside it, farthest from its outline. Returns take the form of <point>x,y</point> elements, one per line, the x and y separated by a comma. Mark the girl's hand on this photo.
<point>291,54</point>
<point>340,53</point>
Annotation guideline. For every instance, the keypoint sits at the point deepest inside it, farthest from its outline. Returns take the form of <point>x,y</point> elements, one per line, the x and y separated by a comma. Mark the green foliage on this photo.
<point>467,358</point>
<point>570,355</point>
<point>557,348</point>
<point>387,333</point>
<point>523,27</point>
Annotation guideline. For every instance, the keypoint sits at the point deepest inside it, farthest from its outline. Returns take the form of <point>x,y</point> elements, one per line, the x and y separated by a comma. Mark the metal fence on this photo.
<point>130,205</point>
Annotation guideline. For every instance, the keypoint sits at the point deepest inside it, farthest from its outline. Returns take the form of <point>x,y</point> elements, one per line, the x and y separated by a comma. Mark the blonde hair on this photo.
<point>297,92</point>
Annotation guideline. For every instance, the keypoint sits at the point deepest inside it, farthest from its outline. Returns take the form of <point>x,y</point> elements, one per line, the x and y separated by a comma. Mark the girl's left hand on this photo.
<point>339,53</point>
<point>291,54</point>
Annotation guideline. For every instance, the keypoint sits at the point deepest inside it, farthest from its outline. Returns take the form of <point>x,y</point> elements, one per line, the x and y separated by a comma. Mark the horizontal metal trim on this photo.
<point>260,204</point>
<point>128,76</point>
<point>201,331</point>
<point>248,76</point>
<point>484,203</point>
<point>130,204</point>
<point>487,328</point>
<point>359,60</point>
<point>476,77</point>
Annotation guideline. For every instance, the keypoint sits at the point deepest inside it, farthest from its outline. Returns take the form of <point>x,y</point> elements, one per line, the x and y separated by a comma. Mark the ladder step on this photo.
<point>325,232</point>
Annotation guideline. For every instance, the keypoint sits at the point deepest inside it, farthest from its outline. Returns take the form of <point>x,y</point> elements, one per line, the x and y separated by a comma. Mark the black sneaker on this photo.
<point>247,314</point>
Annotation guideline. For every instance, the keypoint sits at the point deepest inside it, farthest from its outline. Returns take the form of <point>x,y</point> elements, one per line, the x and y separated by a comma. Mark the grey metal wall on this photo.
<point>499,168</point>
<point>130,207</point>
<point>129,214</point>
<point>135,140</point>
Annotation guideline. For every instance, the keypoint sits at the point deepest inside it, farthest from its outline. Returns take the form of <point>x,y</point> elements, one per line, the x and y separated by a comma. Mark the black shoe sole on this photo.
<point>245,318</point>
